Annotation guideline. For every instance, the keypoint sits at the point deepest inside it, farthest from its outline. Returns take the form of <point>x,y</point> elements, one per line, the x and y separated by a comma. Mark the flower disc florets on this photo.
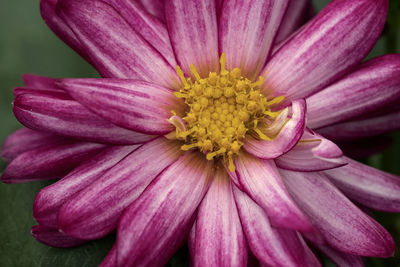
<point>223,108</point>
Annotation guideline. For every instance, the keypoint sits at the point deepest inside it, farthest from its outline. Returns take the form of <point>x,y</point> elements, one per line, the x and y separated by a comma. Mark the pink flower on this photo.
<point>233,149</point>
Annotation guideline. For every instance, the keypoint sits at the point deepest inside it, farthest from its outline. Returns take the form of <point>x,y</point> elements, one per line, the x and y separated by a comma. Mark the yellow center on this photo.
<point>223,108</point>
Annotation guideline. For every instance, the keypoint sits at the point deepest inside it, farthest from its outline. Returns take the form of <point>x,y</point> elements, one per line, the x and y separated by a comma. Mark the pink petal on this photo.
<point>54,114</point>
<point>59,27</point>
<point>340,258</point>
<point>115,49</point>
<point>95,211</point>
<point>256,25</point>
<point>131,104</point>
<point>362,127</point>
<point>54,237</point>
<point>298,13</point>
<point>55,92</point>
<point>288,137</point>
<point>368,186</point>
<point>23,140</point>
<point>261,181</point>
<point>344,226</point>
<point>39,82</point>
<point>49,161</point>
<point>331,44</point>
<point>150,28</point>
<point>219,237</point>
<point>192,26</point>
<point>313,153</point>
<point>50,199</point>
<point>192,243</point>
<point>374,85</point>
<point>154,7</point>
<point>271,246</point>
<point>156,225</point>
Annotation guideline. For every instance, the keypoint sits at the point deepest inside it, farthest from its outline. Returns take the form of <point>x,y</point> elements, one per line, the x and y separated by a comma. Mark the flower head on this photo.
<point>214,123</point>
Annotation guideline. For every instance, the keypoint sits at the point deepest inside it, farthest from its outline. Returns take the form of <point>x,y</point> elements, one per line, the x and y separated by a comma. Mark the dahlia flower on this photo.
<point>214,122</point>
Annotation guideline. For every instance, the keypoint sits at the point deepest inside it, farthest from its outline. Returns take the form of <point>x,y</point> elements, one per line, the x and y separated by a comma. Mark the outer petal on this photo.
<point>337,39</point>
<point>48,162</point>
<point>47,91</point>
<point>363,127</point>
<point>39,82</point>
<point>340,258</point>
<point>155,225</point>
<point>96,210</point>
<point>298,12</point>
<point>343,225</point>
<point>266,242</point>
<point>50,199</point>
<point>53,114</point>
<point>54,237</point>
<point>55,23</point>
<point>261,181</point>
<point>368,186</point>
<point>288,137</point>
<point>132,104</point>
<point>24,140</point>
<point>374,85</point>
<point>247,31</point>
<point>313,153</point>
<point>192,27</point>
<point>150,28</point>
<point>219,237</point>
<point>114,48</point>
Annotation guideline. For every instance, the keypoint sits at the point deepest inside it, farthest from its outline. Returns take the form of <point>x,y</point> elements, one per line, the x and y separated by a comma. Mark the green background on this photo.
<point>28,46</point>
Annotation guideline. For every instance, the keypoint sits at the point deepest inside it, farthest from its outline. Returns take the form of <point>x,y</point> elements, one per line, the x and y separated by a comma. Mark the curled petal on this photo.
<point>219,237</point>
<point>25,139</point>
<point>371,187</point>
<point>132,104</point>
<point>312,154</point>
<point>256,24</point>
<point>287,138</point>
<point>374,85</point>
<point>54,237</point>
<point>115,190</point>
<point>271,246</point>
<point>49,162</point>
<point>115,49</point>
<point>362,127</point>
<point>331,44</point>
<point>158,222</point>
<point>192,26</point>
<point>50,199</point>
<point>66,117</point>
<point>344,226</point>
<point>261,181</point>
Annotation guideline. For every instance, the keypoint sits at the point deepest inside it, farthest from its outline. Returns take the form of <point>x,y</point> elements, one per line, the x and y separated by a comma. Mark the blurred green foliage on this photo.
<point>28,46</point>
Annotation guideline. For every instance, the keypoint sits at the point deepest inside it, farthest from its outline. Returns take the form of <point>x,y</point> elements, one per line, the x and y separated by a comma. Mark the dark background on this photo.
<point>28,46</point>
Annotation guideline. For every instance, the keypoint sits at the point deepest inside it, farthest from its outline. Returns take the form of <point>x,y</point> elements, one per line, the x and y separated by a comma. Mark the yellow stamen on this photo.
<point>222,108</point>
